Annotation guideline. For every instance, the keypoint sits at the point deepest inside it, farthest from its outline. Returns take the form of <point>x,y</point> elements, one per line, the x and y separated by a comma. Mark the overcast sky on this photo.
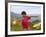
<point>36,10</point>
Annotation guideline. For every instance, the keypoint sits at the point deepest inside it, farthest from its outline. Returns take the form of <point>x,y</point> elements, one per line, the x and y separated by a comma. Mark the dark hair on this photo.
<point>23,13</point>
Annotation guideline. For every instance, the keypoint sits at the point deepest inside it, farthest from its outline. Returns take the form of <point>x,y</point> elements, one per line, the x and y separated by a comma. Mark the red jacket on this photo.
<point>24,21</point>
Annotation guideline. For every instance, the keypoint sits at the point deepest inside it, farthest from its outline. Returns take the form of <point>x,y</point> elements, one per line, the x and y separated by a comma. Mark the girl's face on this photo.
<point>23,15</point>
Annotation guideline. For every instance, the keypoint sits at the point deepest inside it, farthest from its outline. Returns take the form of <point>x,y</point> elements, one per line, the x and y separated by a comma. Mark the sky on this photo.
<point>30,10</point>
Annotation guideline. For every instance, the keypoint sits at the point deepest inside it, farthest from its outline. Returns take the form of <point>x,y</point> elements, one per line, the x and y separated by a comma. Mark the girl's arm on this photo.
<point>28,17</point>
<point>21,23</point>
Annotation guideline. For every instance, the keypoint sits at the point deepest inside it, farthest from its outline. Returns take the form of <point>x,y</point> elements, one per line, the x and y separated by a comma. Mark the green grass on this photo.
<point>18,28</point>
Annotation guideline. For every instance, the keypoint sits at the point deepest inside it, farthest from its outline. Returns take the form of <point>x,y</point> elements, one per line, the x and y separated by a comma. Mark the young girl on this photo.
<point>24,21</point>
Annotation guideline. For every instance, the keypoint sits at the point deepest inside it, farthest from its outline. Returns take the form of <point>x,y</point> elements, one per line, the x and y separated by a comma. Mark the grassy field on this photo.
<point>33,26</point>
